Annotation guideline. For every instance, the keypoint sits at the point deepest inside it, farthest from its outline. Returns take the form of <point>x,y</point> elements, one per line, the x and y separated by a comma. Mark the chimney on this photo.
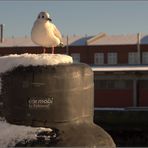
<point>2,31</point>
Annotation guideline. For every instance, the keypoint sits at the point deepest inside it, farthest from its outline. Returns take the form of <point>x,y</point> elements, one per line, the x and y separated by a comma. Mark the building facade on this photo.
<point>114,88</point>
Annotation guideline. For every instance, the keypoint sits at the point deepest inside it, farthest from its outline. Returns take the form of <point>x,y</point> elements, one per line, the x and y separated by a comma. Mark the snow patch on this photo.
<point>11,134</point>
<point>9,62</point>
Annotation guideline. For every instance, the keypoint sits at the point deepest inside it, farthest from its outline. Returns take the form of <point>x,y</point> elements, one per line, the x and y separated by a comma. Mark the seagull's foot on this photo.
<point>44,50</point>
<point>52,50</point>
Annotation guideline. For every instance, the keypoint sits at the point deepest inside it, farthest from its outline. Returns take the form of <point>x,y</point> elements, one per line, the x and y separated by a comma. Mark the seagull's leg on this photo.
<point>44,50</point>
<point>52,49</point>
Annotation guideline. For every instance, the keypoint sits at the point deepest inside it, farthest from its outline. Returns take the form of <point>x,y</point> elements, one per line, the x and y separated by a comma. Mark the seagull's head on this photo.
<point>44,16</point>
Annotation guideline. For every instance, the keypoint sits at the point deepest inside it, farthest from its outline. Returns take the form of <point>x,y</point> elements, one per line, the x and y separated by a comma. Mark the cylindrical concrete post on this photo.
<point>59,96</point>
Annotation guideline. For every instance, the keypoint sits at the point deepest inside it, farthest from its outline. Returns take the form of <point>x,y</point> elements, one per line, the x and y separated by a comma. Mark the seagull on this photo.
<point>45,33</point>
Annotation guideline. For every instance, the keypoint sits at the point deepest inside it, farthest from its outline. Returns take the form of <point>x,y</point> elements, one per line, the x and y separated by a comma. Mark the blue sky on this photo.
<point>76,17</point>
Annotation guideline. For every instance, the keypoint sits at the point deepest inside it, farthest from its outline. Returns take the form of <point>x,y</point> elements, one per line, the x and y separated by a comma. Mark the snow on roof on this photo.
<point>9,62</point>
<point>79,40</point>
<point>96,38</point>
<point>106,39</point>
<point>119,68</point>
<point>115,40</point>
<point>129,39</point>
<point>17,42</point>
<point>74,40</point>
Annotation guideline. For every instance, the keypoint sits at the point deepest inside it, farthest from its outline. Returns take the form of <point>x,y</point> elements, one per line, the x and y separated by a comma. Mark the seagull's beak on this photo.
<point>49,19</point>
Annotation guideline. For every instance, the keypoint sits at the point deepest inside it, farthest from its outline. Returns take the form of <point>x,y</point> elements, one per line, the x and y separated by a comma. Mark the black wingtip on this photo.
<point>61,45</point>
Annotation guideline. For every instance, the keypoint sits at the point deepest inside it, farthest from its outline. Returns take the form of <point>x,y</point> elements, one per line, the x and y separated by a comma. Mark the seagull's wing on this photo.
<point>57,32</point>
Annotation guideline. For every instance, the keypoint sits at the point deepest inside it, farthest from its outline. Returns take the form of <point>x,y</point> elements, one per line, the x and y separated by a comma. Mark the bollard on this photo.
<point>58,96</point>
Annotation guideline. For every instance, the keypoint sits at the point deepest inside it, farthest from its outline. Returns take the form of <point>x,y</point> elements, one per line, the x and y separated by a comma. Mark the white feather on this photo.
<point>44,32</point>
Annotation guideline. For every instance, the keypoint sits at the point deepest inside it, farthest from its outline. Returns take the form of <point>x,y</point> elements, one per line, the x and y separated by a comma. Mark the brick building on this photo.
<point>124,85</point>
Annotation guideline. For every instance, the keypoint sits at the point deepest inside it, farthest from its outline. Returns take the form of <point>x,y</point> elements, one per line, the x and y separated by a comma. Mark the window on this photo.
<point>112,58</point>
<point>76,57</point>
<point>144,57</point>
<point>133,58</point>
<point>143,84</point>
<point>113,84</point>
<point>99,58</point>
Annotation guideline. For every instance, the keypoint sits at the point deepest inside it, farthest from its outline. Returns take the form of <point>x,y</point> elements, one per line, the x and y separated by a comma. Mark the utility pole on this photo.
<point>2,31</point>
<point>86,39</point>
<point>138,48</point>
<point>67,45</point>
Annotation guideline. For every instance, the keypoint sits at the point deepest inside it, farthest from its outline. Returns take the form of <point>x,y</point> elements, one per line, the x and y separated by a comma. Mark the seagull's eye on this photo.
<point>42,16</point>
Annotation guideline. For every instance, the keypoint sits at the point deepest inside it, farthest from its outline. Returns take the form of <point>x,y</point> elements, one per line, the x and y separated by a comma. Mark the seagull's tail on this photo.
<point>61,45</point>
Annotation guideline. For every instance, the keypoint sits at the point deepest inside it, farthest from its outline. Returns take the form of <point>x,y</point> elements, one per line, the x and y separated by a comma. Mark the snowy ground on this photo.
<point>11,134</point>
